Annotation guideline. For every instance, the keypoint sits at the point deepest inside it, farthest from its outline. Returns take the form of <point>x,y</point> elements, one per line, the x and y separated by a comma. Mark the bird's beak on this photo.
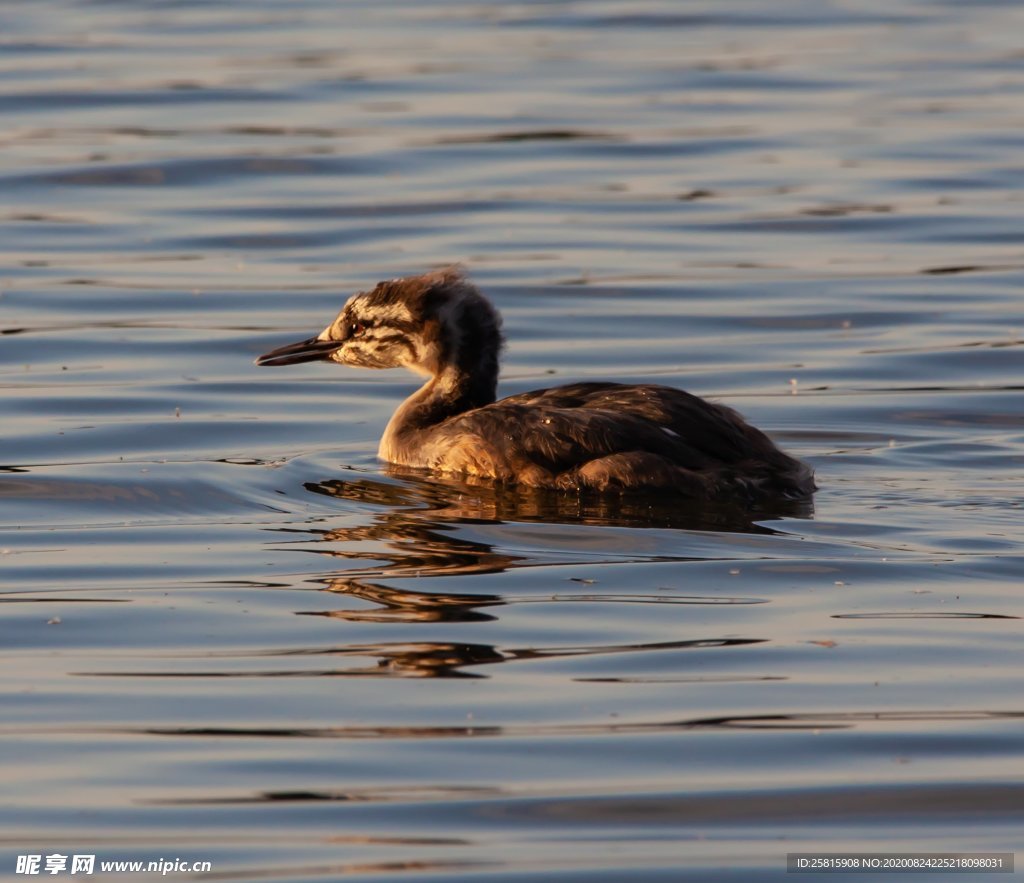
<point>310,350</point>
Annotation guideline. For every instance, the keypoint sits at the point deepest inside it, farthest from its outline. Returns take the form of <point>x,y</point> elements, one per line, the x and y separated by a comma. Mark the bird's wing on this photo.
<point>640,417</point>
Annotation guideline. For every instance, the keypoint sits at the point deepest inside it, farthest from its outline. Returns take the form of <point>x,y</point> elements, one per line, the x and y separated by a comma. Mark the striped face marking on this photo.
<point>374,332</point>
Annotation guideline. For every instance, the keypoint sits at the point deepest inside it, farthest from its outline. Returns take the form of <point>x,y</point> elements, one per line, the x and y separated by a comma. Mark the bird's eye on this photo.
<point>356,328</point>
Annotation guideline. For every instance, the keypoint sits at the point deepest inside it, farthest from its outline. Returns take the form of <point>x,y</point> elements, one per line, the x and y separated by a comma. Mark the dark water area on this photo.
<point>230,635</point>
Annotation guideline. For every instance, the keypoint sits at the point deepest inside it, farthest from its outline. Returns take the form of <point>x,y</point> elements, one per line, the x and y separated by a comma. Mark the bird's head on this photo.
<point>426,323</point>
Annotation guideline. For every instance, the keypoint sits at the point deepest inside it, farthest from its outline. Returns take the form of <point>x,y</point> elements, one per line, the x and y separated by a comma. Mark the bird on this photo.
<point>583,437</point>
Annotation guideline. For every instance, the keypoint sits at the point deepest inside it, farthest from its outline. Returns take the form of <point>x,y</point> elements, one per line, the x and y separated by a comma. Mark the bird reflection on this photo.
<point>456,500</point>
<point>417,528</point>
<point>422,659</point>
<point>435,659</point>
<point>402,605</point>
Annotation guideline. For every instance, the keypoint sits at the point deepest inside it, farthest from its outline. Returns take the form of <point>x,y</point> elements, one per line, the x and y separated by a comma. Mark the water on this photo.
<point>231,636</point>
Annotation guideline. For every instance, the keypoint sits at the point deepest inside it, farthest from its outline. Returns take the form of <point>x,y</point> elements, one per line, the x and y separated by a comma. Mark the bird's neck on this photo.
<point>452,391</point>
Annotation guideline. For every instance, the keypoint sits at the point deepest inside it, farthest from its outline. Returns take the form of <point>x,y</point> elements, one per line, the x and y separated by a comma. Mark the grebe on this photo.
<point>600,436</point>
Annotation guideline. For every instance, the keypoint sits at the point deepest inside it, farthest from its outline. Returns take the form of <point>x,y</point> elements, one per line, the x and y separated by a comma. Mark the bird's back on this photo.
<point>614,436</point>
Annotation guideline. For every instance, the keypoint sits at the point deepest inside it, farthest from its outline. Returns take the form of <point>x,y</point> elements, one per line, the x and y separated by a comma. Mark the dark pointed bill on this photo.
<point>304,351</point>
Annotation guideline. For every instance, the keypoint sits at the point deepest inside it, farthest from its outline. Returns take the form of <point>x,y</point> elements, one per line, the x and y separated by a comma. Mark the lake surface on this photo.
<point>230,635</point>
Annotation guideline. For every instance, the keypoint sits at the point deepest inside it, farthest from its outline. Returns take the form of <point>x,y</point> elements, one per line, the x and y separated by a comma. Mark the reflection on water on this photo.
<point>448,499</point>
<point>404,606</point>
<point>230,635</point>
<point>757,723</point>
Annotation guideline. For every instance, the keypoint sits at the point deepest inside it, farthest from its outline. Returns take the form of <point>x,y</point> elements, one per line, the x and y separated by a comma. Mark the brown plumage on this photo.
<point>601,436</point>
